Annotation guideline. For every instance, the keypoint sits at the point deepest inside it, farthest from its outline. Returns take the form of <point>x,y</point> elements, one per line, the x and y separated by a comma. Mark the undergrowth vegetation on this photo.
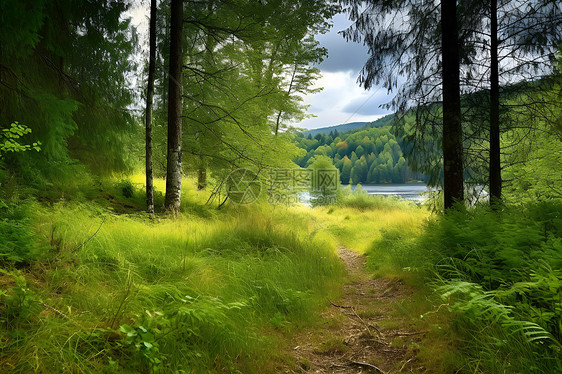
<point>85,289</point>
<point>91,284</point>
<point>359,199</point>
<point>496,283</point>
<point>499,273</point>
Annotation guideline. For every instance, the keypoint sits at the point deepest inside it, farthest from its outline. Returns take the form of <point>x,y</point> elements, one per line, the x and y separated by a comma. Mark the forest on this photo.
<point>151,163</point>
<point>370,155</point>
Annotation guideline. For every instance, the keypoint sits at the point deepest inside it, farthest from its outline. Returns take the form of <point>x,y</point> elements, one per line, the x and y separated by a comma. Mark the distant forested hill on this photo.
<point>370,154</point>
<point>338,129</point>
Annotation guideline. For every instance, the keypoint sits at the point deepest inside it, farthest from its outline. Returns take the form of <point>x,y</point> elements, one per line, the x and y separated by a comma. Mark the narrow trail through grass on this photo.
<point>362,332</point>
<point>257,289</point>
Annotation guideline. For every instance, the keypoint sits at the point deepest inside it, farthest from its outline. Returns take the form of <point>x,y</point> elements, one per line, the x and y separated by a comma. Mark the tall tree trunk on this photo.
<point>202,174</point>
<point>173,172</point>
<point>452,131</point>
<point>495,166</point>
<point>210,44</point>
<point>148,118</point>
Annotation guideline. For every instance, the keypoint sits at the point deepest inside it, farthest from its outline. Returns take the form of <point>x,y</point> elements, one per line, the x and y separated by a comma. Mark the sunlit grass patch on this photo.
<point>129,291</point>
<point>127,194</point>
<point>359,199</point>
<point>357,229</point>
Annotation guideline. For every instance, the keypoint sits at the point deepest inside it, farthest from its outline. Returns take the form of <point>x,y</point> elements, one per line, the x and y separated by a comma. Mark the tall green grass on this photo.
<point>359,199</point>
<point>199,292</point>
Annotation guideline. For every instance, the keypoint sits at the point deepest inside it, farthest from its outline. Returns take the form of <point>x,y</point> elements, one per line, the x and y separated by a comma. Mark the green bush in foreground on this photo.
<point>499,273</point>
<point>16,239</point>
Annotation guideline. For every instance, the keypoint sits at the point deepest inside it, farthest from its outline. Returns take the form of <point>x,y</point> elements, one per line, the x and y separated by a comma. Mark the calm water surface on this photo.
<point>410,191</point>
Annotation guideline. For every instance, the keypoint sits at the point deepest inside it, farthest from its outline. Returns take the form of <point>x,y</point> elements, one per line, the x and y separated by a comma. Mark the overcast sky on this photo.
<point>342,100</point>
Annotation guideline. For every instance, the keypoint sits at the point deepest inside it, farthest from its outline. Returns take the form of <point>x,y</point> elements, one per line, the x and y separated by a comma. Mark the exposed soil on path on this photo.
<point>362,332</point>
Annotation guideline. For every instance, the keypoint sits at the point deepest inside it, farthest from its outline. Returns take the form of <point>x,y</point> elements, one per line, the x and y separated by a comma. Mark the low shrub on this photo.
<point>498,272</point>
<point>16,237</point>
<point>359,199</point>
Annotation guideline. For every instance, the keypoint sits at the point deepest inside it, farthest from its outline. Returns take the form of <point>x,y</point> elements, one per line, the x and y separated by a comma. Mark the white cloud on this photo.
<point>343,101</point>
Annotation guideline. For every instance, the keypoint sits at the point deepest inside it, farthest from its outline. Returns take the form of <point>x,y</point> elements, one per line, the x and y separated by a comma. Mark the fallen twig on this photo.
<point>340,306</point>
<point>408,333</point>
<point>338,366</point>
<point>405,363</point>
<point>364,364</point>
<point>58,312</point>
<point>357,315</point>
<point>365,323</point>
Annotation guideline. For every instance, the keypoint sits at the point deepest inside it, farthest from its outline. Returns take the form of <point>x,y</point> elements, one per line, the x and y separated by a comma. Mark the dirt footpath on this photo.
<point>362,332</point>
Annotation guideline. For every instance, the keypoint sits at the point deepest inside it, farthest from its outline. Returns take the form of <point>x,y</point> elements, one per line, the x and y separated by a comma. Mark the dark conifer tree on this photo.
<point>405,40</point>
<point>453,184</point>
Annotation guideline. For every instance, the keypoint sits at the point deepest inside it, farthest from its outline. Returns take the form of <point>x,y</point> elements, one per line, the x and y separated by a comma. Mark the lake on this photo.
<point>409,191</point>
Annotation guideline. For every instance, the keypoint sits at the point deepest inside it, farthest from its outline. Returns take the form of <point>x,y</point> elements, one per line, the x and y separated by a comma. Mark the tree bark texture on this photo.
<point>173,172</point>
<point>148,115</point>
<point>453,186</point>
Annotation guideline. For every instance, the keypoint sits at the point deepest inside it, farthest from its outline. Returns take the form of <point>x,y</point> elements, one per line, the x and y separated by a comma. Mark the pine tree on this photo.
<point>403,39</point>
<point>64,68</point>
<point>453,176</point>
<point>516,42</point>
<point>345,174</point>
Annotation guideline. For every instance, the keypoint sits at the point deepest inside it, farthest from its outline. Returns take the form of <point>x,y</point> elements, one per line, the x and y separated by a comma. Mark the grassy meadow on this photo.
<point>106,292</point>
<point>92,284</point>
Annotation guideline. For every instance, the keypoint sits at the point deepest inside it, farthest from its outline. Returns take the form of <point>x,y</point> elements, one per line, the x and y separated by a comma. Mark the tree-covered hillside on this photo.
<point>367,155</point>
<point>344,127</point>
